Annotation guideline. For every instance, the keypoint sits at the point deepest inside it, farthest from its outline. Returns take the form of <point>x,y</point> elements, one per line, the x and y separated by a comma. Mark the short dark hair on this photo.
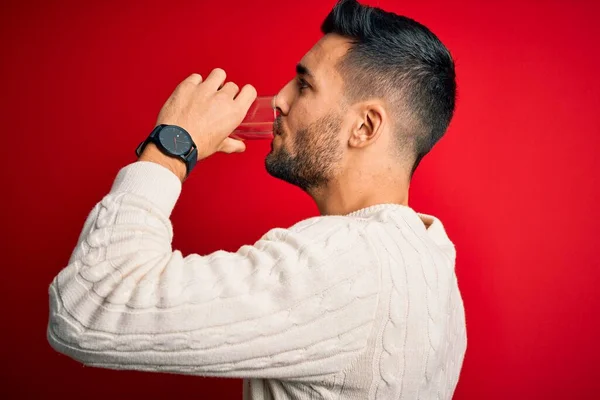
<point>398,59</point>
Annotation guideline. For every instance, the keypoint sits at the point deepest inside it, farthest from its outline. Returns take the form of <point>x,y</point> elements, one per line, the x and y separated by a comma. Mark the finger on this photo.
<point>188,84</point>
<point>230,145</point>
<point>196,79</point>
<point>215,79</point>
<point>230,88</point>
<point>246,96</point>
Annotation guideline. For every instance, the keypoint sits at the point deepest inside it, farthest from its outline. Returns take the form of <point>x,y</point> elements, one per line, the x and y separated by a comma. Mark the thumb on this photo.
<point>230,145</point>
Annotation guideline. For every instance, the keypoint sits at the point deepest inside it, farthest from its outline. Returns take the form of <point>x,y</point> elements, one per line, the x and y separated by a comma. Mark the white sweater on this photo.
<point>361,306</point>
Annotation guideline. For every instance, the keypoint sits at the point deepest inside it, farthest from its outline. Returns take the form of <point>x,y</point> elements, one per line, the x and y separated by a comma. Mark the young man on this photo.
<point>361,302</point>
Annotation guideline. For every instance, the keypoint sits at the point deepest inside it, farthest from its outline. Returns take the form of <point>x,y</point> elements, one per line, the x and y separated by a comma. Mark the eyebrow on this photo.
<point>302,70</point>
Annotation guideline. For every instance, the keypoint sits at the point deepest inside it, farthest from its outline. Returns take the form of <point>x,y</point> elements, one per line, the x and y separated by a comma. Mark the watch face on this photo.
<point>175,140</point>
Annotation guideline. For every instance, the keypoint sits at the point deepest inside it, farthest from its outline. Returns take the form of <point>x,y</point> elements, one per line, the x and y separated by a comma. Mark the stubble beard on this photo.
<point>317,153</point>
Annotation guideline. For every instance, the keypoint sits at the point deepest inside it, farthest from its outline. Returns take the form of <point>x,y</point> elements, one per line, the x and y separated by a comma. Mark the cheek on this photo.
<point>299,115</point>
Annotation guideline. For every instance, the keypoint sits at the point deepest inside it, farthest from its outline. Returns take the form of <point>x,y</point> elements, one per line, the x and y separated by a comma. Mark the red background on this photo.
<point>514,180</point>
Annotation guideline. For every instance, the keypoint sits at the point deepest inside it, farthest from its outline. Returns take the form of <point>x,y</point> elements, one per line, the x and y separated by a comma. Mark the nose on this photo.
<point>283,99</point>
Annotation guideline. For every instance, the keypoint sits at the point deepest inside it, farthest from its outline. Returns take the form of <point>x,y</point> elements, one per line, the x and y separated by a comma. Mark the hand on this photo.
<point>209,111</point>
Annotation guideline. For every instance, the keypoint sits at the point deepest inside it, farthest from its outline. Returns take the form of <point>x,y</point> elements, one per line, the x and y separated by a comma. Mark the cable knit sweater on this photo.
<point>360,306</point>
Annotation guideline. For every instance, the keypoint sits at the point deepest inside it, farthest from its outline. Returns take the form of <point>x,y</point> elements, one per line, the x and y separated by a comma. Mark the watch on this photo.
<point>173,141</point>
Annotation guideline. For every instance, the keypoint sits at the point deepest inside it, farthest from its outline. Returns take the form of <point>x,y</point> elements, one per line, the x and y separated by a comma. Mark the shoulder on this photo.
<point>323,233</point>
<point>323,226</point>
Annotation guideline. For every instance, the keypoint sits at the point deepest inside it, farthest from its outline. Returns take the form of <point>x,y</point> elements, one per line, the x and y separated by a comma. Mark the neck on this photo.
<point>354,191</point>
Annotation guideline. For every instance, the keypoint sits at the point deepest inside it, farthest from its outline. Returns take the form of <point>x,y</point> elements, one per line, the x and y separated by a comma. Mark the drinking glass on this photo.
<point>258,123</point>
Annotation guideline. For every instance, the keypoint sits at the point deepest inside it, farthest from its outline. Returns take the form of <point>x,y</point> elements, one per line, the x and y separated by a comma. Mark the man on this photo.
<point>361,302</point>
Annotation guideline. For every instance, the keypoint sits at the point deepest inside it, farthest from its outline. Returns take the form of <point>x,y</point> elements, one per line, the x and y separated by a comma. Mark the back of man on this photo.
<point>417,340</point>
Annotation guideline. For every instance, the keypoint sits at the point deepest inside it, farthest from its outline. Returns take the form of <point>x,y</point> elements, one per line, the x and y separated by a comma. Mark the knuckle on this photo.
<point>221,95</point>
<point>250,89</point>
<point>181,88</point>
<point>185,84</point>
<point>219,72</point>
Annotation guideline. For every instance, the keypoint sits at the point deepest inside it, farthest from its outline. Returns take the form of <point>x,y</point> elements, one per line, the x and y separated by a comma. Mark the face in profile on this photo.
<point>307,146</point>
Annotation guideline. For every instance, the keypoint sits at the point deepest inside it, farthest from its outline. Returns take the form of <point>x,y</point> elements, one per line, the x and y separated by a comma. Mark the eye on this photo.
<point>302,84</point>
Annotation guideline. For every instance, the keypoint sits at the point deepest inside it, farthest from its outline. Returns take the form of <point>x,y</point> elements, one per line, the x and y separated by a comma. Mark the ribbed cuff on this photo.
<point>150,180</point>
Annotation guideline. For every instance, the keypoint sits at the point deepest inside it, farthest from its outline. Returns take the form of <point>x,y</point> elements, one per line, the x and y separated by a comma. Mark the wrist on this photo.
<point>153,154</point>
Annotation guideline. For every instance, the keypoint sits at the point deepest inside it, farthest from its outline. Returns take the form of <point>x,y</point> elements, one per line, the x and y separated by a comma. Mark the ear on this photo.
<point>369,125</point>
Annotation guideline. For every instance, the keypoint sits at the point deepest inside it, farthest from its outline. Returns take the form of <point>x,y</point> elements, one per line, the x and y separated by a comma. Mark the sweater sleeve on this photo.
<point>298,304</point>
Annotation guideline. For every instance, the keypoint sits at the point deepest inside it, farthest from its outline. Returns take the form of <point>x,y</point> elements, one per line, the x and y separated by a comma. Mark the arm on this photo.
<point>297,304</point>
